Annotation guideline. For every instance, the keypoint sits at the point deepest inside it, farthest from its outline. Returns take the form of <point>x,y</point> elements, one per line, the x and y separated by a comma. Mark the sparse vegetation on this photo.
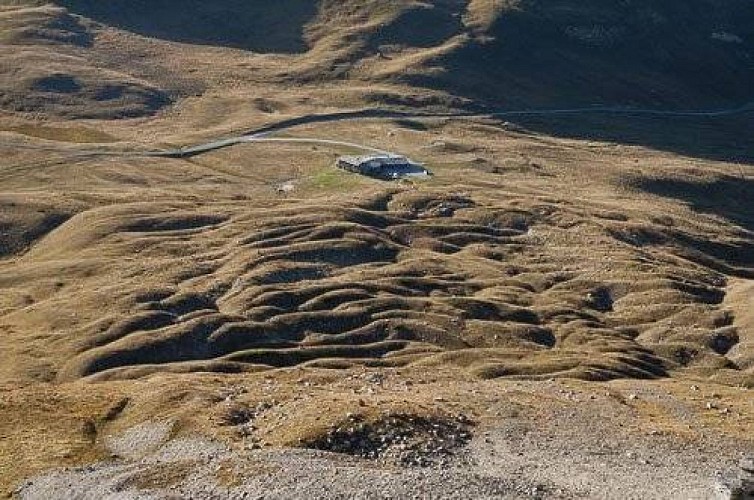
<point>62,134</point>
<point>567,289</point>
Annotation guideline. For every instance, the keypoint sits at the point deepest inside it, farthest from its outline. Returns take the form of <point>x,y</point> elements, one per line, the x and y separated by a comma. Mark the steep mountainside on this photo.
<point>506,51</point>
<point>513,53</point>
<point>631,52</point>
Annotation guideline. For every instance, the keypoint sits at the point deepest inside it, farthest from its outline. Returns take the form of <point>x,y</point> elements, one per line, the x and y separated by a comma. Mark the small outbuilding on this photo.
<point>383,166</point>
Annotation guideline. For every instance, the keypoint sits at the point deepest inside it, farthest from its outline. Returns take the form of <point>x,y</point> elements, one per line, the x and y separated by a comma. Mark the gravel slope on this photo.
<point>588,450</point>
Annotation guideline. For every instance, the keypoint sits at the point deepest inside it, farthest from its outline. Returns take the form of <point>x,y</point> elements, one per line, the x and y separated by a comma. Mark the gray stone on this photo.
<point>747,464</point>
<point>737,485</point>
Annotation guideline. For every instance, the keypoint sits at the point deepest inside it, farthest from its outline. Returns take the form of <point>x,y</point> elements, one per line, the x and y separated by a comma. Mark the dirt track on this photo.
<point>261,134</point>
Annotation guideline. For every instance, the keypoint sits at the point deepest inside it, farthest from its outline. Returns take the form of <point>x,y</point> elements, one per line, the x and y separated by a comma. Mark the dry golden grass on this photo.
<point>486,268</point>
<point>62,134</point>
<point>134,289</point>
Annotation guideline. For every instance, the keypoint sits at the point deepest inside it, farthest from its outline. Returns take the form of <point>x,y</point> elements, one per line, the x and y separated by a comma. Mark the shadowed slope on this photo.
<point>47,68</point>
<point>252,25</point>
<point>514,53</point>
<point>452,53</point>
<point>648,52</point>
<point>731,198</point>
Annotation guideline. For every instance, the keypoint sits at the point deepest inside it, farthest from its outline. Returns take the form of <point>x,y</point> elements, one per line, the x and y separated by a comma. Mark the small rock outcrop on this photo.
<point>737,484</point>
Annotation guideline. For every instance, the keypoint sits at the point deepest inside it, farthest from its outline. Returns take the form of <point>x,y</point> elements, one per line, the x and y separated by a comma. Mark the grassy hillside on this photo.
<point>517,52</point>
<point>514,53</point>
<point>46,67</point>
<point>257,26</point>
<point>568,294</point>
<point>642,52</point>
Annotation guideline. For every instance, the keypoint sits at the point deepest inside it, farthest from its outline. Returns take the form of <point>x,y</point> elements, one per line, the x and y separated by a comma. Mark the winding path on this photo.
<point>262,134</point>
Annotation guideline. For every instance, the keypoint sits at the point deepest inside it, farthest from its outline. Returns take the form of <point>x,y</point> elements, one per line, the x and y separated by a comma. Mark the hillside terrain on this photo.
<point>514,53</point>
<point>567,298</point>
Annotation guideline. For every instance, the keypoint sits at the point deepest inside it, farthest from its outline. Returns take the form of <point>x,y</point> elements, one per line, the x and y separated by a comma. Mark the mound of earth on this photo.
<point>23,220</point>
<point>494,284</point>
<point>86,92</point>
<point>411,440</point>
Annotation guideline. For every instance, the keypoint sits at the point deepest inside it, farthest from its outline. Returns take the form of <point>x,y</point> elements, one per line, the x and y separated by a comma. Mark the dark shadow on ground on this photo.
<point>644,53</point>
<point>650,54</point>
<point>244,24</point>
<point>722,138</point>
<point>729,197</point>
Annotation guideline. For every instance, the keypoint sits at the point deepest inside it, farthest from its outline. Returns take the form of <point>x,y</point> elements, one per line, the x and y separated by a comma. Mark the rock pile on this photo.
<point>397,438</point>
